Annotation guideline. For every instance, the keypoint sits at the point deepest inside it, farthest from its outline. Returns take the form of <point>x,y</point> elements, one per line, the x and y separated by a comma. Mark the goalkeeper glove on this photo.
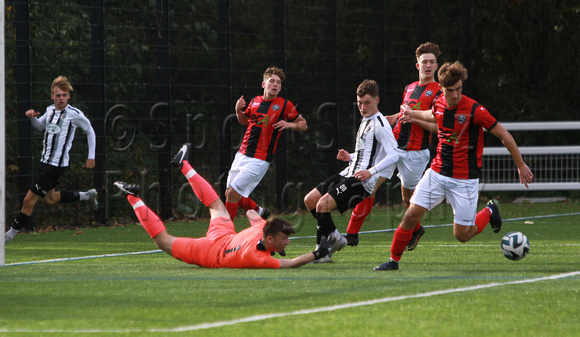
<point>323,249</point>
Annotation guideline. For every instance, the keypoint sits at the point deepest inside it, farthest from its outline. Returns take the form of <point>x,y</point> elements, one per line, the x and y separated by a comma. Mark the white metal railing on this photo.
<point>554,167</point>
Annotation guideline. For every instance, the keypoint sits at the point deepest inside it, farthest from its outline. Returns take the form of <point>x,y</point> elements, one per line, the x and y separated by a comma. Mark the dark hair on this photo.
<point>428,48</point>
<point>274,71</point>
<point>369,87</point>
<point>274,226</point>
<point>451,73</point>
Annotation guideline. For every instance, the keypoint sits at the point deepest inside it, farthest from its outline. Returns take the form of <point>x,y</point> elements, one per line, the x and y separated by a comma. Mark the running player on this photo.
<point>266,117</point>
<point>454,173</point>
<point>413,141</point>
<point>59,123</point>
<point>222,247</point>
<point>375,151</point>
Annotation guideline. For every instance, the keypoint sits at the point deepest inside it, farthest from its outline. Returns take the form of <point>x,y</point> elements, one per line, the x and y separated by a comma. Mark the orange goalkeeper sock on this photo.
<point>148,219</point>
<point>202,189</point>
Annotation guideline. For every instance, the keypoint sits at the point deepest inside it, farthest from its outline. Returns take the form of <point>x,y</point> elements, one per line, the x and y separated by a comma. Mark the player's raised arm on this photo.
<point>240,106</point>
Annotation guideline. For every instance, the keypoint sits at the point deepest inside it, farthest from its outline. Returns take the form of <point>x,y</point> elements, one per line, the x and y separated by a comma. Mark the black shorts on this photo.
<point>47,179</point>
<point>346,192</point>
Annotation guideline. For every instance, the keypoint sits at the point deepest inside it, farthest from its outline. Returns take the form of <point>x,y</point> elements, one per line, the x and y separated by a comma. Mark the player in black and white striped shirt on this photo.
<point>375,152</point>
<point>59,123</point>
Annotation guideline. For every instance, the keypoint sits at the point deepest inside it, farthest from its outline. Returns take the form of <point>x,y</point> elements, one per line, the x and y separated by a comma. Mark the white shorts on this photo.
<point>412,165</point>
<point>246,173</point>
<point>462,194</point>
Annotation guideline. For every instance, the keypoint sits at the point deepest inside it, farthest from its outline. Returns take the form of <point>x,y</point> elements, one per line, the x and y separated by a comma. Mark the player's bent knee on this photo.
<point>232,195</point>
<point>463,237</point>
<point>311,199</point>
<point>29,204</point>
<point>47,201</point>
<point>164,242</point>
<point>464,233</point>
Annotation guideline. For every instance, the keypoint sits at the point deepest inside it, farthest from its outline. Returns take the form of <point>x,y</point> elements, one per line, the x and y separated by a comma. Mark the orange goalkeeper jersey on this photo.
<point>224,248</point>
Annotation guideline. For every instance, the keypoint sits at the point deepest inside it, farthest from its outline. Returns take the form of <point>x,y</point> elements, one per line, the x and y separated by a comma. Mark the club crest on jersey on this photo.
<point>429,93</point>
<point>275,107</point>
<point>461,119</point>
<point>53,128</point>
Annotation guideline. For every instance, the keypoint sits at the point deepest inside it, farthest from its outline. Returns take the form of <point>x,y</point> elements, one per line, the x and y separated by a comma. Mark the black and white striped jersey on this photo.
<point>373,140</point>
<point>59,132</point>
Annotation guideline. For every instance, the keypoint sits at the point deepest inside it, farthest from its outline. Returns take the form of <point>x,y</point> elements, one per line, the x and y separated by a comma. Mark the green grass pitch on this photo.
<point>94,286</point>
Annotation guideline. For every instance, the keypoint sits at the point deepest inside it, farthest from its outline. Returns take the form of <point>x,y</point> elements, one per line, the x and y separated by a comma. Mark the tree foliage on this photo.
<point>521,57</point>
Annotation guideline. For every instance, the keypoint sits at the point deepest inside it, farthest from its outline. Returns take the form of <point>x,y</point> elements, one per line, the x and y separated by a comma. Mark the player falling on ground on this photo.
<point>222,247</point>
<point>266,117</point>
<point>413,141</point>
<point>454,173</point>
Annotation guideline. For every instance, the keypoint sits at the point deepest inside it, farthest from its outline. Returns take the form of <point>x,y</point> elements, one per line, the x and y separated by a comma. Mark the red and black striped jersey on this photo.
<point>410,136</point>
<point>261,138</point>
<point>460,137</point>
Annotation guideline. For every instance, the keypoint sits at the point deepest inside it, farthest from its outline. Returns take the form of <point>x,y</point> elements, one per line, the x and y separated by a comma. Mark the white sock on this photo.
<point>84,196</point>
<point>10,234</point>
<point>335,235</point>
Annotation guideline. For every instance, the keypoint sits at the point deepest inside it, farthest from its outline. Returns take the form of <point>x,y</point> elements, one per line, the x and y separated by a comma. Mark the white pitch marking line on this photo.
<point>358,304</point>
<point>304,311</point>
<point>82,258</point>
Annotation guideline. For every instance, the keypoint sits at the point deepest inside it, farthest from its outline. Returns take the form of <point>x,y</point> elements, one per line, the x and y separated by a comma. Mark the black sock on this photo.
<point>325,225</point>
<point>69,196</point>
<point>20,221</point>
<point>313,212</point>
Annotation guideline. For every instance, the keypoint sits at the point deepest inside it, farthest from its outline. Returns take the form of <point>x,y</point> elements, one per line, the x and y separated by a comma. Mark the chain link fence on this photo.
<point>152,75</point>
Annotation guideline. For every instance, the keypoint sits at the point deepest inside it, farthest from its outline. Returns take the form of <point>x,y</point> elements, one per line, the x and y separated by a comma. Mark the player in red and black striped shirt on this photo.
<point>454,173</point>
<point>266,117</point>
<point>413,140</point>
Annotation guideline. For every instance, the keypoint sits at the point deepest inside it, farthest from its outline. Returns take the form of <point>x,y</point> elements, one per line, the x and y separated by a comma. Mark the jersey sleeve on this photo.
<point>484,118</point>
<point>83,122</point>
<point>248,111</point>
<point>290,114</point>
<point>385,135</point>
<point>391,159</point>
<point>39,123</point>
<point>389,144</point>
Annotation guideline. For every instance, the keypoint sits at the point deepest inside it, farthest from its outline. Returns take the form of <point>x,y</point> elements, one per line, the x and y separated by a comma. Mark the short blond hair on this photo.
<point>62,83</point>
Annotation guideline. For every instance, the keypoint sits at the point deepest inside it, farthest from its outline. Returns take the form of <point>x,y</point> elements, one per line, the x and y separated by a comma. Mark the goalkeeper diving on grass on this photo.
<point>222,247</point>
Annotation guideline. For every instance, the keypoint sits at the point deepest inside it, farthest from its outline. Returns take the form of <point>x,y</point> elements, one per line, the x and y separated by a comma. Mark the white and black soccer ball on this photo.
<point>515,245</point>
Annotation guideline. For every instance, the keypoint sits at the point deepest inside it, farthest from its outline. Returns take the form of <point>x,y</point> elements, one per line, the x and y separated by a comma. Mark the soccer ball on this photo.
<point>515,245</point>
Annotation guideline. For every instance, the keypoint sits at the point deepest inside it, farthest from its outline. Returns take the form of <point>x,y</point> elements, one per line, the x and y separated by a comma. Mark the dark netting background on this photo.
<point>154,74</point>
